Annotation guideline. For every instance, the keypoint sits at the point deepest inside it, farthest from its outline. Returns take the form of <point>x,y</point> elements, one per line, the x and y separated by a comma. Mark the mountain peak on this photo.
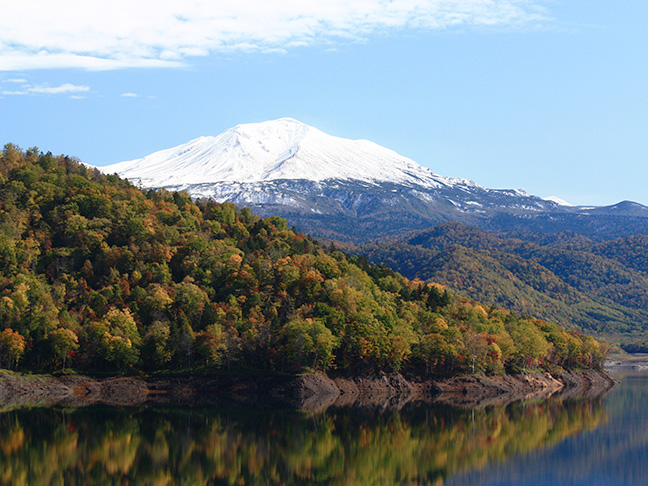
<point>282,149</point>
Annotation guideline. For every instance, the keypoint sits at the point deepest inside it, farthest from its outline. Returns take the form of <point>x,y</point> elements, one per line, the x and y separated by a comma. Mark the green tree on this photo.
<point>184,341</point>
<point>308,342</point>
<point>191,300</point>
<point>530,344</point>
<point>433,351</point>
<point>63,342</point>
<point>211,345</point>
<point>157,353</point>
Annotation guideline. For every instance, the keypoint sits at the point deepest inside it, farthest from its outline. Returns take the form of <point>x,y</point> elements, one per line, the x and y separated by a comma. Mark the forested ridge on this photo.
<point>565,278</point>
<point>100,276</point>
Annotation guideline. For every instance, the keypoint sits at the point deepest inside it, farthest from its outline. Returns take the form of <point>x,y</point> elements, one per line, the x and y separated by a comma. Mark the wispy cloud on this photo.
<point>13,93</point>
<point>66,88</point>
<point>130,95</point>
<point>114,34</point>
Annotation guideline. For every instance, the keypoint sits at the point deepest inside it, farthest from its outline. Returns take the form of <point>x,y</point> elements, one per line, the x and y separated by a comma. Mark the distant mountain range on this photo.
<point>356,190</point>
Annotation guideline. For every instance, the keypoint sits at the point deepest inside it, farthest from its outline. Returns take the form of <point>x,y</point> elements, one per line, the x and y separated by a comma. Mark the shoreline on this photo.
<point>308,392</point>
<point>627,363</point>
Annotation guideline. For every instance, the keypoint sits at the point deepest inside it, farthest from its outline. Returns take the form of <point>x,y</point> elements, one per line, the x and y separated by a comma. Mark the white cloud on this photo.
<point>43,89</point>
<point>14,93</point>
<point>64,88</point>
<point>130,95</point>
<point>114,34</point>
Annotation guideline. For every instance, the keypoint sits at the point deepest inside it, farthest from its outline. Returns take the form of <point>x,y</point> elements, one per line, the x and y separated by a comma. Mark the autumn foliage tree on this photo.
<point>12,347</point>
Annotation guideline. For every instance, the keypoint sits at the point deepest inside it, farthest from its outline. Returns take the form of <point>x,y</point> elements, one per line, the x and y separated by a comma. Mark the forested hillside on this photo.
<point>100,276</point>
<point>566,278</point>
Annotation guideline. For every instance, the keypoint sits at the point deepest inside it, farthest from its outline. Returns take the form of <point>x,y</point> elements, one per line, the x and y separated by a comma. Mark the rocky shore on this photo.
<point>317,392</point>
<point>312,391</point>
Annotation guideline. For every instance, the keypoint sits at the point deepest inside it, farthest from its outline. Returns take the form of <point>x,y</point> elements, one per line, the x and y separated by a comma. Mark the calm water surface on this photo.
<point>601,441</point>
<point>614,453</point>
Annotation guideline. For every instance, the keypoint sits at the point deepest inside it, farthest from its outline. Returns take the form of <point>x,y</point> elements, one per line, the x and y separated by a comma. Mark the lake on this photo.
<point>601,441</point>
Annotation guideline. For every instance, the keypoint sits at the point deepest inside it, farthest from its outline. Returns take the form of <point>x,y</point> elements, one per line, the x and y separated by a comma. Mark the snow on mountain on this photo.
<point>557,200</point>
<point>353,190</point>
<point>277,150</point>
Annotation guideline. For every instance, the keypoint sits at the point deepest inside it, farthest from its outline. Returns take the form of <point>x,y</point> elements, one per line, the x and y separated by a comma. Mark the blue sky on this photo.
<point>547,96</point>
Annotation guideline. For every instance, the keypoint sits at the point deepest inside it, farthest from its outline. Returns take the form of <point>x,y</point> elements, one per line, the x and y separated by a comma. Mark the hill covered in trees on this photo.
<point>100,276</point>
<point>565,278</point>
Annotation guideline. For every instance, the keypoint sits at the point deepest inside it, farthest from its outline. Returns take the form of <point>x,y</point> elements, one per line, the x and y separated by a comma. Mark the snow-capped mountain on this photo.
<point>344,189</point>
<point>283,149</point>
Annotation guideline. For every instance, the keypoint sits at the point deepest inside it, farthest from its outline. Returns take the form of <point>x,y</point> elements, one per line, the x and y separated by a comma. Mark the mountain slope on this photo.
<point>283,149</point>
<point>565,278</point>
<point>355,190</point>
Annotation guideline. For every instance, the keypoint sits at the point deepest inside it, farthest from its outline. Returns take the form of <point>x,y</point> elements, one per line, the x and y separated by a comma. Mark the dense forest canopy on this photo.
<point>565,278</point>
<point>100,276</point>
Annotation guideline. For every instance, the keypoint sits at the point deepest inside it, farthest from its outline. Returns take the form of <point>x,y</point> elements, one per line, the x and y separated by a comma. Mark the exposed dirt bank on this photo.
<point>18,390</point>
<point>627,362</point>
<point>316,392</point>
<point>313,392</point>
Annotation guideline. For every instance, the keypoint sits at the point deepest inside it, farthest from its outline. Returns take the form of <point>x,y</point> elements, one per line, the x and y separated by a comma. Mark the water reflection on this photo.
<point>615,453</point>
<point>150,446</point>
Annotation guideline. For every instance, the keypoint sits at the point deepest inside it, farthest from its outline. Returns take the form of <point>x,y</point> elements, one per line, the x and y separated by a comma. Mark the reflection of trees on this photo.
<point>344,446</point>
<point>616,452</point>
